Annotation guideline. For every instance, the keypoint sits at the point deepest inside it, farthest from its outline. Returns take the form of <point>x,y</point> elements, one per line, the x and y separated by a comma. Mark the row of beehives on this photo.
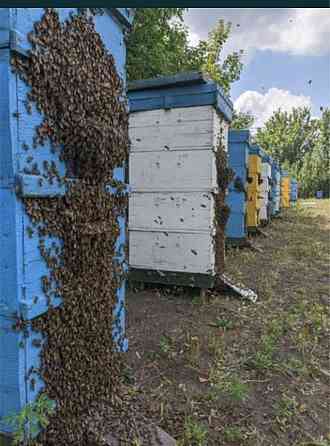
<point>175,125</point>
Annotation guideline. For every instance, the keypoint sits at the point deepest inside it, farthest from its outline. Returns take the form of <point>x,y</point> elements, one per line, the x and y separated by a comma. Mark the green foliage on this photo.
<point>195,433</point>
<point>232,434</point>
<point>159,45</point>
<point>33,417</point>
<point>236,389</point>
<point>242,120</point>
<point>302,145</point>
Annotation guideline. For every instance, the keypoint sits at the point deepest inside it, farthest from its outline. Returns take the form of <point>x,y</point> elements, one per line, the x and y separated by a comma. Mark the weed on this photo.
<point>33,417</point>
<point>232,434</point>
<point>235,389</point>
<point>195,433</point>
<point>165,345</point>
<point>286,409</point>
<point>226,324</point>
<point>193,349</point>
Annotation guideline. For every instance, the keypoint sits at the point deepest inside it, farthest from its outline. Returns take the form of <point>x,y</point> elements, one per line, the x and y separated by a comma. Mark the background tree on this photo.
<point>301,144</point>
<point>159,45</point>
<point>288,136</point>
<point>242,120</point>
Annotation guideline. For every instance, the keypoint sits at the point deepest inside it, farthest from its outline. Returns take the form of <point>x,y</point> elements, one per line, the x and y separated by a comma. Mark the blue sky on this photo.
<point>284,50</point>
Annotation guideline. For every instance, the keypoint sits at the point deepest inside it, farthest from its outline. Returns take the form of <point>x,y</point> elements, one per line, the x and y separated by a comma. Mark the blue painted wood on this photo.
<point>293,190</point>
<point>181,90</point>
<point>21,264</point>
<point>238,155</point>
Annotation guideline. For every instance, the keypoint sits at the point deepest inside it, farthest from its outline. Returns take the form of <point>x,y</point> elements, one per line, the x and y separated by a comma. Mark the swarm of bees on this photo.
<point>224,176</point>
<point>74,84</point>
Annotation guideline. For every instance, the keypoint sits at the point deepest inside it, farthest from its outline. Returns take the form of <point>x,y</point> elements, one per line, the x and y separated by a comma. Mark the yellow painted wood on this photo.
<point>254,192</point>
<point>285,191</point>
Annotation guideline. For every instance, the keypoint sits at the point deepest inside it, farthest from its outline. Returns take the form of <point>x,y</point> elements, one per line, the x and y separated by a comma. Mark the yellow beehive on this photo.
<point>285,191</point>
<point>253,204</point>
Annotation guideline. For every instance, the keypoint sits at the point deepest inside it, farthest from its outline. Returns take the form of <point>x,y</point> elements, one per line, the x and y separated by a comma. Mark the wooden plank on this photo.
<point>174,116</point>
<point>177,211</point>
<point>180,252</point>
<point>173,171</point>
<point>37,186</point>
<point>184,135</point>
<point>172,278</point>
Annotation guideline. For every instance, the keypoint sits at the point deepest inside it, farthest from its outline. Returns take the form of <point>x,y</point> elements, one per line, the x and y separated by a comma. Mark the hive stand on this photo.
<point>21,265</point>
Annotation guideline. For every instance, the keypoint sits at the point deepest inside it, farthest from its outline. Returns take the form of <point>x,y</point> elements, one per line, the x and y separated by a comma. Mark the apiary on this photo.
<point>254,188</point>
<point>238,155</point>
<point>178,177</point>
<point>276,188</point>
<point>48,265</point>
<point>265,187</point>
<point>285,189</point>
<point>293,190</point>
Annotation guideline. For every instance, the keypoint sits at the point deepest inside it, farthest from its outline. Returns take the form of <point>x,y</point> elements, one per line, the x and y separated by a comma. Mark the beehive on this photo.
<point>276,188</point>
<point>238,155</point>
<point>285,189</point>
<point>254,189</point>
<point>22,267</point>
<point>176,125</point>
<point>265,187</point>
<point>293,190</point>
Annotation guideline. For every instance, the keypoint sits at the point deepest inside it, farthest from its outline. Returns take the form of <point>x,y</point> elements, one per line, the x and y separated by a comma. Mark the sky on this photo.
<point>286,56</point>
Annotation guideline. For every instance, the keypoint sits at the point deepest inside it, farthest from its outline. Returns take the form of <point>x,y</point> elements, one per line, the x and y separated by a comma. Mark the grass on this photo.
<point>241,373</point>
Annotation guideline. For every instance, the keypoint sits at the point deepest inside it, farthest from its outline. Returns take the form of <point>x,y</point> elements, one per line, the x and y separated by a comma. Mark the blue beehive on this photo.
<point>238,155</point>
<point>21,265</point>
<point>293,190</point>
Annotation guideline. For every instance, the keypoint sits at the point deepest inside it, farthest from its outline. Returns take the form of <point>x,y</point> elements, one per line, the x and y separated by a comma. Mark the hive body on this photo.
<point>265,189</point>
<point>254,189</point>
<point>285,189</point>
<point>238,151</point>
<point>22,267</point>
<point>293,190</point>
<point>175,126</point>
<point>276,188</point>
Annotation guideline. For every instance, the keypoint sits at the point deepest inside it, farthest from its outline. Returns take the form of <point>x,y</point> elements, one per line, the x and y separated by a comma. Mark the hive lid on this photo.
<point>188,89</point>
<point>240,136</point>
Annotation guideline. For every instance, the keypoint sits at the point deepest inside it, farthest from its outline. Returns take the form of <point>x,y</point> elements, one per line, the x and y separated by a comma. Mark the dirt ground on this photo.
<point>224,371</point>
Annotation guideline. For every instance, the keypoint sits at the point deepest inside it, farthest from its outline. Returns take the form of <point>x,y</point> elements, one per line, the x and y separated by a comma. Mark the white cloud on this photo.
<point>262,106</point>
<point>293,31</point>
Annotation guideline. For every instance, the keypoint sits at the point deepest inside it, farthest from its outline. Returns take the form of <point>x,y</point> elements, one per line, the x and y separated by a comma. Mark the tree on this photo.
<point>159,45</point>
<point>288,136</point>
<point>302,145</point>
<point>315,172</point>
<point>242,120</point>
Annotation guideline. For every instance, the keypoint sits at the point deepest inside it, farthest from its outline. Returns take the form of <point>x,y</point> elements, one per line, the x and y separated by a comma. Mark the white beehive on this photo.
<point>173,179</point>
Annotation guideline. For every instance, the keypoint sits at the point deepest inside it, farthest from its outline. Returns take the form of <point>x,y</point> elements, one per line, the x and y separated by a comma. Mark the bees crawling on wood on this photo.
<point>75,86</point>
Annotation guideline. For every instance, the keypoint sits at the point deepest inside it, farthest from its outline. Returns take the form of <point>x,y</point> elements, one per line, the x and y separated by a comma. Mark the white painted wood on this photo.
<point>168,211</point>
<point>172,116</point>
<point>172,174</point>
<point>186,135</point>
<point>173,171</point>
<point>173,251</point>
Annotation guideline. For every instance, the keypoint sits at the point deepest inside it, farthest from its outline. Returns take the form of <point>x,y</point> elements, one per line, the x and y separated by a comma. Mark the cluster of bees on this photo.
<point>74,85</point>
<point>222,211</point>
